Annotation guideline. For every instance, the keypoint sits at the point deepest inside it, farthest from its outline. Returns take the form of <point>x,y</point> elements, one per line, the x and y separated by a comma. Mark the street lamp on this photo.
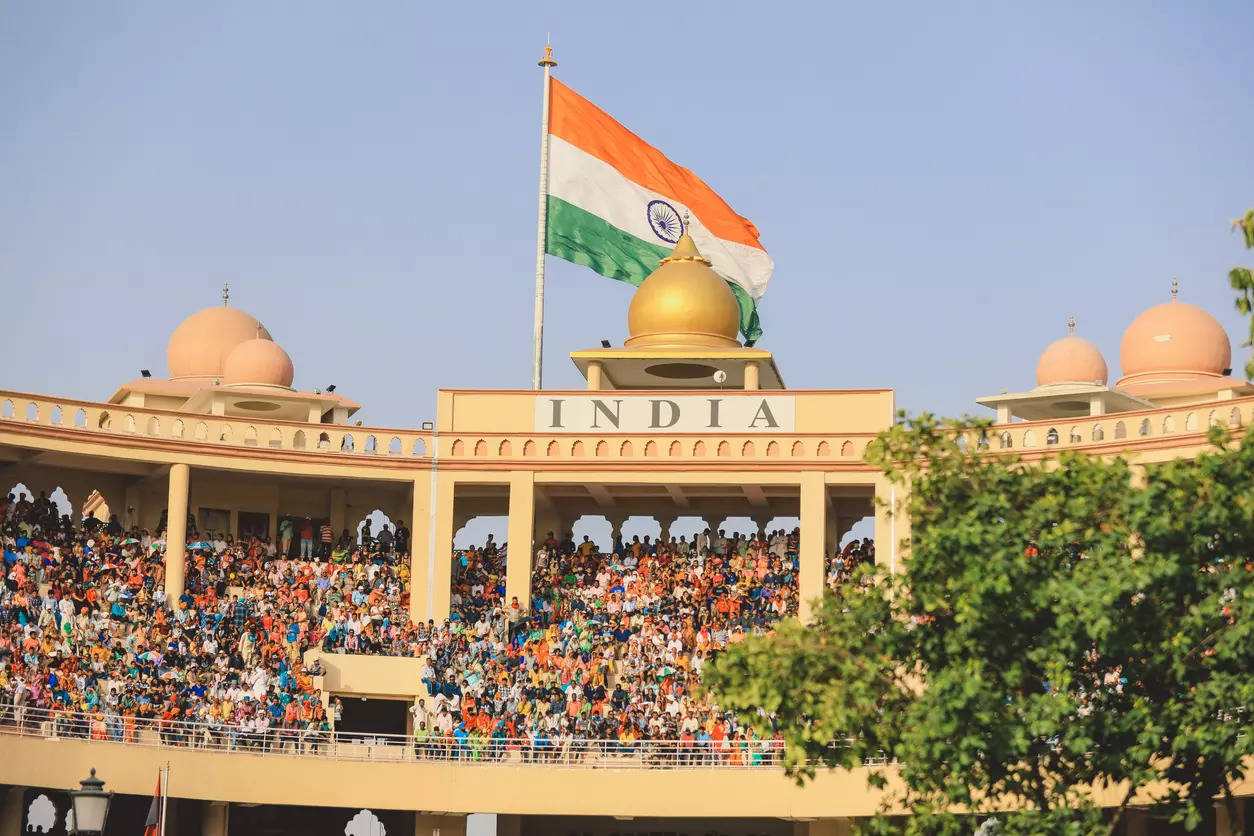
<point>90,805</point>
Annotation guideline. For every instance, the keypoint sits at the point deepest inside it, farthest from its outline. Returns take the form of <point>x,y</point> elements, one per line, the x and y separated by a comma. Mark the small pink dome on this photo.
<point>1071,360</point>
<point>260,361</point>
<point>199,346</point>
<point>1175,337</point>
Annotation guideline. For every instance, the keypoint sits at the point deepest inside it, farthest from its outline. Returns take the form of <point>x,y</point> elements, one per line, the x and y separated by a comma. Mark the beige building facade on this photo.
<point>681,422</point>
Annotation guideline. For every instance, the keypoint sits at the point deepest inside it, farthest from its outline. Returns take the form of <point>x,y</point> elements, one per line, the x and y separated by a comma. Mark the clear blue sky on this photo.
<point>940,184</point>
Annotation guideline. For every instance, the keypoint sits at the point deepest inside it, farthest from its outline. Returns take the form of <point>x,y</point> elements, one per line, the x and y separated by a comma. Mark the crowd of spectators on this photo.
<point>608,654</point>
<point>85,631</point>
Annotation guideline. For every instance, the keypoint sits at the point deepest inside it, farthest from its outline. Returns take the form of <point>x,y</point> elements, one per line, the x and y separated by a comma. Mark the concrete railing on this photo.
<point>166,425</point>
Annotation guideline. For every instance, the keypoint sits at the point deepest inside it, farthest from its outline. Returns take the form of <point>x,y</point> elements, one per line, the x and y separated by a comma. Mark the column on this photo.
<point>1224,826</point>
<point>522,521</point>
<point>11,812</point>
<point>595,370</point>
<point>130,513</point>
<point>274,519</point>
<point>813,534</point>
<point>176,533</point>
<point>215,818</point>
<point>441,567</point>
<point>616,529</point>
<point>233,522</point>
<point>751,375</point>
<point>665,523</point>
<point>338,511</point>
<point>761,522</point>
<point>433,824</point>
<point>419,547</point>
<point>1136,822</point>
<point>890,527</point>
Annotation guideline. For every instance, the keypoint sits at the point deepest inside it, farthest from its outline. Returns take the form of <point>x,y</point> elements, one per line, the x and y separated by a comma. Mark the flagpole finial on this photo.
<point>1175,289</point>
<point>226,293</point>
<point>1071,325</point>
<point>547,60</point>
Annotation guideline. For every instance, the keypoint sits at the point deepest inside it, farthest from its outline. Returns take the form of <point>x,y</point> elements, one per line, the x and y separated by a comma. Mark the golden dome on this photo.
<point>1071,360</point>
<point>259,361</point>
<point>199,346</point>
<point>683,304</point>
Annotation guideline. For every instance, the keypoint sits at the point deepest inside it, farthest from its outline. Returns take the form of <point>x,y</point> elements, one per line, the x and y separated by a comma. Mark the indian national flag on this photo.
<point>616,204</point>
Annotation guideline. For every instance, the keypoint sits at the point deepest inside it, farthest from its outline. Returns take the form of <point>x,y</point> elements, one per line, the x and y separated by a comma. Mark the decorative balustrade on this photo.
<point>166,425</point>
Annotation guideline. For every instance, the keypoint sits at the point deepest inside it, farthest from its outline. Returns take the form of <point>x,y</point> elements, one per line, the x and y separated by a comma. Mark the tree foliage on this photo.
<point>1242,280</point>
<point>1060,626</point>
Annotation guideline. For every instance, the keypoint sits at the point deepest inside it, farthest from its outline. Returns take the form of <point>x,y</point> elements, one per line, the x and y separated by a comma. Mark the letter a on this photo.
<point>764,414</point>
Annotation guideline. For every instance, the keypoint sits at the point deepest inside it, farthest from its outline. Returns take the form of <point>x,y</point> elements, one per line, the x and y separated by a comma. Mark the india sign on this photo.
<point>626,413</point>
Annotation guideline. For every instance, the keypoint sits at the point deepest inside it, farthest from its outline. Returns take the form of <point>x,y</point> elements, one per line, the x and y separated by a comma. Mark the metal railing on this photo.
<point>554,751</point>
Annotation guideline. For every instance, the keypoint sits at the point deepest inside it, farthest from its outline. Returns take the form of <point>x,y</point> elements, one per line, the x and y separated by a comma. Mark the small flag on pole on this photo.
<point>152,824</point>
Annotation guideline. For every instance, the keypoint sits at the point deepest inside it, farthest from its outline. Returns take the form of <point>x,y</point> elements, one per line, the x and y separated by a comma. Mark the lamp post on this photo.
<point>90,805</point>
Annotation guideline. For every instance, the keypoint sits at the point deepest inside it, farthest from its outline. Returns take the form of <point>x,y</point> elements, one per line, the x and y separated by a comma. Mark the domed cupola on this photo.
<point>1071,359</point>
<point>1174,348</point>
<point>683,304</point>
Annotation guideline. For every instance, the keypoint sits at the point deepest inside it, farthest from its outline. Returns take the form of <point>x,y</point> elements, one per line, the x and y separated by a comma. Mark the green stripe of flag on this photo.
<point>583,238</point>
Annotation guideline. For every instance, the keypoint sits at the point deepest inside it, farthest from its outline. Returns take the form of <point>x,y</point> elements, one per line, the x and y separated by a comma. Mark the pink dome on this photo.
<point>1071,360</point>
<point>199,346</point>
<point>1175,337</point>
<point>259,361</point>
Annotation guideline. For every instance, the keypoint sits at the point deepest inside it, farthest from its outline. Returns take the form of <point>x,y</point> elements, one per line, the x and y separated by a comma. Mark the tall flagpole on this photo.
<point>537,356</point>
<point>165,795</point>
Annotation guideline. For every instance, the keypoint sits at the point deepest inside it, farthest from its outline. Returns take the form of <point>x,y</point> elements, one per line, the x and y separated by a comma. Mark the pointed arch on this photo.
<point>6,409</point>
<point>276,438</point>
<point>674,449</point>
<point>250,436</point>
<point>177,428</point>
<point>202,431</point>
<point>824,449</point>
<point>1234,417</point>
<point>1074,436</point>
<point>724,450</point>
<point>798,449</point>
<point>103,421</point>
<point>55,417</point>
<point>576,449</point>
<point>749,450</point>
<point>650,448</point>
<point>1145,428</point>
<point>1190,422</point>
<point>1006,442</point>
<point>324,441</point>
<point>529,448</point>
<point>1169,424</point>
<point>1212,420</point>
<point>371,445</point>
<point>224,433</point>
<point>298,440</point>
<point>506,448</point>
<point>481,448</point>
<point>1051,436</point>
<point>1099,434</point>
<point>846,449</point>
<point>32,411</point>
<point>395,447</point>
<point>553,450</point>
<point>130,423</point>
<point>772,449</point>
<point>419,448</point>
<point>625,450</point>
<point>602,449</point>
<point>698,449</point>
<point>80,419</point>
<point>1029,438</point>
<point>458,447</point>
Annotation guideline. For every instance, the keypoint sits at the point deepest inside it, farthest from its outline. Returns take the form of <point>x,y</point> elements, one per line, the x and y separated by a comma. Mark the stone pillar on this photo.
<point>12,816</point>
<point>813,534</point>
<point>1226,827</point>
<point>274,519</point>
<point>233,522</point>
<point>130,515</point>
<point>442,581</point>
<point>751,376</point>
<point>761,522</point>
<point>522,521</point>
<point>419,548</point>
<point>430,824</point>
<point>508,825</point>
<point>338,512</point>
<point>890,526</point>
<point>595,370</point>
<point>215,819</point>
<point>176,533</point>
<point>665,524</point>
<point>616,528</point>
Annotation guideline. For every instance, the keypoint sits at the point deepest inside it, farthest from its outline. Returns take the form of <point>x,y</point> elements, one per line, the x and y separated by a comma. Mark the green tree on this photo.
<point>1242,279</point>
<point>1058,627</point>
